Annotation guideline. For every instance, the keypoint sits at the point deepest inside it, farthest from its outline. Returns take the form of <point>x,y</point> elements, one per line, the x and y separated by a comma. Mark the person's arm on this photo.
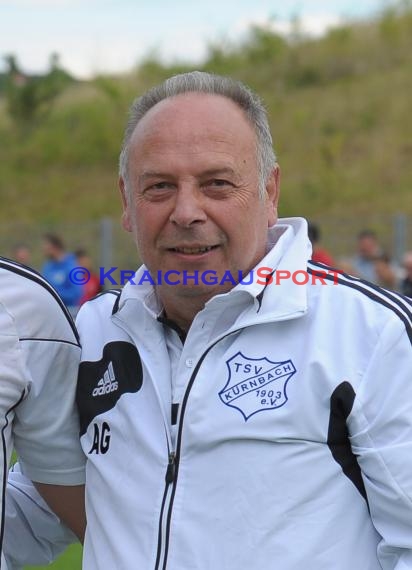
<point>68,504</point>
<point>46,434</point>
<point>46,426</point>
<point>385,273</point>
<point>380,428</point>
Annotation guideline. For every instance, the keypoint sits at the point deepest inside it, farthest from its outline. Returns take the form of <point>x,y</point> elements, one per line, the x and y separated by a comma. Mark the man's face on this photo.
<point>194,203</point>
<point>368,247</point>
<point>407,264</point>
<point>50,251</point>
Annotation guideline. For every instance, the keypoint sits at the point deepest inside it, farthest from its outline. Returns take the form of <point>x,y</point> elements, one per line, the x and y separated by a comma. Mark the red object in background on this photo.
<point>91,288</point>
<point>322,256</point>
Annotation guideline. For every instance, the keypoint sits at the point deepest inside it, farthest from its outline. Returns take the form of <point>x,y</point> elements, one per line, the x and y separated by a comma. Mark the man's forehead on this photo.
<point>184,102</point>
<point>188,110</point>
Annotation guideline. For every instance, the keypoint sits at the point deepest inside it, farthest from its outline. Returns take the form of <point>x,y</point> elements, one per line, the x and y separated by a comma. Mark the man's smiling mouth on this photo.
<point>193,250</point>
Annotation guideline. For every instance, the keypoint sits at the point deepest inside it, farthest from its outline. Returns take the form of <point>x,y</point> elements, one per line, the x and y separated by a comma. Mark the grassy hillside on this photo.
<point>340,110</point>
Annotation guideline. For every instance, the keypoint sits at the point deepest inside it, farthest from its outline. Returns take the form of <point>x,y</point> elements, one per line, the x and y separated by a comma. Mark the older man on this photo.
<point>240,407</point>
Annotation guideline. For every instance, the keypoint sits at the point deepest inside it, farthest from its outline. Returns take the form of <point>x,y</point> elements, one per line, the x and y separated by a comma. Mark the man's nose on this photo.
<point>188,207</point>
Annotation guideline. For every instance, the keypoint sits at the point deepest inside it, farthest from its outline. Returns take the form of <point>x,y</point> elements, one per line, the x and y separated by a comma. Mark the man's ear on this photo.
<point>126,220</point>
<point>272,195</point>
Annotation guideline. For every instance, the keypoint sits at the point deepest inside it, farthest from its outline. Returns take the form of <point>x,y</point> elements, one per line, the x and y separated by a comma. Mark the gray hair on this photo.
<point>202,82</point>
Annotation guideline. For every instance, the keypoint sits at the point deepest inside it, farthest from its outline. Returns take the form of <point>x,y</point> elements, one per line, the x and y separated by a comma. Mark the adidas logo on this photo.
<point>107,384</point>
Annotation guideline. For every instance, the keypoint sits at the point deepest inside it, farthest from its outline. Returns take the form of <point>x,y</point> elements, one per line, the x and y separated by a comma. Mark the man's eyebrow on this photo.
<point>152,174</point>
<point>224,170</point>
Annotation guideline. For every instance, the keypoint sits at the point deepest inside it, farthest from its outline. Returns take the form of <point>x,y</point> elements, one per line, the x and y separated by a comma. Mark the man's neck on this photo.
<point>182,309</point>
<point>183,316</point>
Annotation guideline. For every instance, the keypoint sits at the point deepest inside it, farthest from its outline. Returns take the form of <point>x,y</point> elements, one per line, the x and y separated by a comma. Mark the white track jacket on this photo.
<point>292,443</point>
<point>278,437</point>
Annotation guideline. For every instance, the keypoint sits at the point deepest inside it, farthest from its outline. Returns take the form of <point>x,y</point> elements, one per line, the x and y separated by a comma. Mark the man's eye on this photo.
<point>219,182</point>
<point>161,190</point>
<point>159,186</point>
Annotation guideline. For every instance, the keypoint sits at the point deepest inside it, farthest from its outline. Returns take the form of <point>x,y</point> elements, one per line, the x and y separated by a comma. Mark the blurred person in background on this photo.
<point>22,254</point>
<point>57,270</point>
<point>319,254</point>
<point>92,287</point>
<point>371,262</point>
<point>406,283</point>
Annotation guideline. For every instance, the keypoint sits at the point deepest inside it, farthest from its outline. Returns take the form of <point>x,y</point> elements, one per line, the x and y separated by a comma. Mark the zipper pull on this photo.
<point>171,468</point>
<point>170,472</point>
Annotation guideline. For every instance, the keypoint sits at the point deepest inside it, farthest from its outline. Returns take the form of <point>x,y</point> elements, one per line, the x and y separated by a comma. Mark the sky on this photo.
<point>112,36</point>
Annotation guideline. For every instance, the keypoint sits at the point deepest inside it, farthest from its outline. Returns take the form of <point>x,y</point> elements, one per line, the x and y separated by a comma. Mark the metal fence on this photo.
<point>104,240</point>
<point>109,245</point>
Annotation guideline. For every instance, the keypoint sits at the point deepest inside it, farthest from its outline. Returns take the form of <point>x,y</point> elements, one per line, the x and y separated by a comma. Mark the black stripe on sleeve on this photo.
<point>116,305</point>
<point>341,403</point>
<point>58,340</point>
<point>397,303</point>
<point>403,301</point>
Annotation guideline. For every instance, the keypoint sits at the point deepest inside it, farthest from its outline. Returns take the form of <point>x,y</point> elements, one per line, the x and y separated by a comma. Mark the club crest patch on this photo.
<point>256,384</point>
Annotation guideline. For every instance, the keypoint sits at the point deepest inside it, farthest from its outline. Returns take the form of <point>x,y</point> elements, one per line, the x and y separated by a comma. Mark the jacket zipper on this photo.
<point>173,468</point>
<point>169,476</point>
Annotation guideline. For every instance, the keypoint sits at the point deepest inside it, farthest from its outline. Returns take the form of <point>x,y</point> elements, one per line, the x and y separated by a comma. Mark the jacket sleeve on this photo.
<point>380,428</point>
<point>33,533</point>
<point>46,423</point>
